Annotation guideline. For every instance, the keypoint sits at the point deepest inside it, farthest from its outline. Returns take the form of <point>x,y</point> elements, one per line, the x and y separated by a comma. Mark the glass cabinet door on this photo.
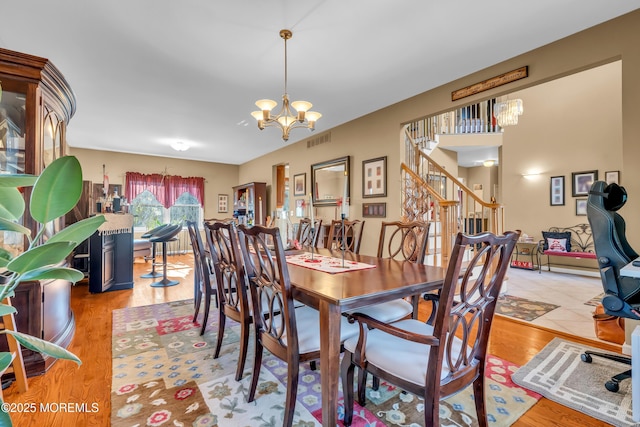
<point>12,132</point>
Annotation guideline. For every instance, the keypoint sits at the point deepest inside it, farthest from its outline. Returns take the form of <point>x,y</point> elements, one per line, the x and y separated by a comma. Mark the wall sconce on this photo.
<point>531,175</point>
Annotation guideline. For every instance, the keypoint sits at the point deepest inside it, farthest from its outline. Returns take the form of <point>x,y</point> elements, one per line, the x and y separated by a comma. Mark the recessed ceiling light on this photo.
<point>180,146</point>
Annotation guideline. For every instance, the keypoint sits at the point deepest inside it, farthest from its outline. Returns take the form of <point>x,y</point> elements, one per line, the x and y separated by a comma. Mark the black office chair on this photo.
<point>622,294</point>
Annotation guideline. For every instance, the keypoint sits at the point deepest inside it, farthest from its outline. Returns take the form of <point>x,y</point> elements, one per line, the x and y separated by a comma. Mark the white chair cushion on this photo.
<point>402,358</point>
<point>308,323</point>
<point>387,312</point>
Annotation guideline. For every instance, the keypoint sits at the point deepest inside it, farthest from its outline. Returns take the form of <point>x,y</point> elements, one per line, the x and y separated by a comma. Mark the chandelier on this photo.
<point>292,115</point>
<point>507,112</point>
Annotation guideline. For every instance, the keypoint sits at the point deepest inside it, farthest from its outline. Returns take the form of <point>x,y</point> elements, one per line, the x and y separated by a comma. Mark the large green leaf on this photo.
<point>79,231</point>
<point>41,256</point>
<point>7,309</point>
<point>6,225</point>
<point>57,189</point>
<point>47,273</point>
<point>42,346</point>
<point>5,257</point>
<point>5,360</point>
<point>14,180</point>
<point>11,203</point>
<point>5,419</point>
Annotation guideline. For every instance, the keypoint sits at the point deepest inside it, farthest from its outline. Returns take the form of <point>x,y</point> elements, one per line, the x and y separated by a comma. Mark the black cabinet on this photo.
<point>111,258</point>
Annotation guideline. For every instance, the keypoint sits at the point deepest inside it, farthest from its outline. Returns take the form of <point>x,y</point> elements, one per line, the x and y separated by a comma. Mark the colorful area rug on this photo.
<point>164,373</point>
<point>558,373</point>
<point>522,308</point>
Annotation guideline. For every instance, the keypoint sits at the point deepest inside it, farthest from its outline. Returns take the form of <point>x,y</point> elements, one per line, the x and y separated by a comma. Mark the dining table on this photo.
<point>350,287</point>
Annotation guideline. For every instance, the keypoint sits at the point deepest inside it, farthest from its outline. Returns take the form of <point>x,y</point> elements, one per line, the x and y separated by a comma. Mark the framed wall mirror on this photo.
<point>329,183</point>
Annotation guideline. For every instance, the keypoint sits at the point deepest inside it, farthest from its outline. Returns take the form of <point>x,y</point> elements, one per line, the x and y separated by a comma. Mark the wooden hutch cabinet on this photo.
<point>250,203</point>
<point>36,106</point>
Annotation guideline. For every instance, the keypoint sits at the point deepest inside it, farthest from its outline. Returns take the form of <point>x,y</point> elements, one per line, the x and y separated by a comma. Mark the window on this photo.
<point>149,213</point>
<point>159,199</point>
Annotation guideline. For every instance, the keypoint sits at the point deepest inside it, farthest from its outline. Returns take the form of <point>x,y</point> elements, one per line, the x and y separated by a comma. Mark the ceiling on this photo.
<point>147,73</point>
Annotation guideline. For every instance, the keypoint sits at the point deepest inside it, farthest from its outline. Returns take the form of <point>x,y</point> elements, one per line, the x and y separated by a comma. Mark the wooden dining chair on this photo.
<point>439,360</point>
<point>402,241</point>
<point>201,273</point>
<point>289,333</point>
<point>347,234</point>
<point>307,236</point>
<point>231,285</point>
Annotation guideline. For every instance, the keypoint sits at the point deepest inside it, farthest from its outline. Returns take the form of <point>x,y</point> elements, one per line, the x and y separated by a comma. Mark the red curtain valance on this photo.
<point>166,188</point>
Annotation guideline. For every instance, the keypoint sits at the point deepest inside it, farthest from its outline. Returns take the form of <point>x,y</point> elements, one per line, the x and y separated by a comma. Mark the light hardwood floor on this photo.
<point>66,383</point>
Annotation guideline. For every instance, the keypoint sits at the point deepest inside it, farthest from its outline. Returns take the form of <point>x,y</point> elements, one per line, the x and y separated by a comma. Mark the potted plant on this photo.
<point>55,192</point>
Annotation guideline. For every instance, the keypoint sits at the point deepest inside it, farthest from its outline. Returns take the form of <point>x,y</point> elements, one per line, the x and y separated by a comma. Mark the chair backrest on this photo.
<point>200,261</point>
<point>307,236</point>
<point>405,241</point>
<point>613,252</point>
<point>228,268</point>
<point>463,328</point>
<point>347,233</point>
<point>270,287</point>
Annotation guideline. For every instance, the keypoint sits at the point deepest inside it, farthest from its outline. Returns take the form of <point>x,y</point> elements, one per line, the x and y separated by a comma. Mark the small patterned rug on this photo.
<point>164,374</point>
<point>522,308</point>
<point>559,374</point>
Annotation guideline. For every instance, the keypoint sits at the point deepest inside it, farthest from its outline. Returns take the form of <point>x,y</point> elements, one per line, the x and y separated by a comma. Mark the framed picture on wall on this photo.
<point>300,184</point>
<point>612,177</point>
<point>374,210</point>
<point>374,177</point>
<point>557,191</point>
<point>582,181</point>
<point>581,207</point>
<point>223,203</point>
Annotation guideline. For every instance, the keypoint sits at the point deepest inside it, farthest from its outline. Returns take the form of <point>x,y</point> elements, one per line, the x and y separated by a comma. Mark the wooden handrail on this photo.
<point>425,189</point>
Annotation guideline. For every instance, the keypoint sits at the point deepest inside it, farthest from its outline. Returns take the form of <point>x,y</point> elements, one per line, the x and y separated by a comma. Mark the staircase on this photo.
<point>425,185</point>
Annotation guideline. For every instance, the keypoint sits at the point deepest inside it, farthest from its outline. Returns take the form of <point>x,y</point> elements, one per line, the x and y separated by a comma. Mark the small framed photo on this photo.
<point>582,181</point>
<point>223,203</point>
<point>300,184</point>
<point>374,210</point>
<point>374,177</point>
<point>557,191</point>
<point>612,177</point>
<point>581,207</point>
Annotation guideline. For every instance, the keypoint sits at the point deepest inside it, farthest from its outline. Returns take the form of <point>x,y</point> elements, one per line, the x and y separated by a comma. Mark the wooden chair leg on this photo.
<point>346,371</point>
<point>292,390</point>
<point>207,308</point>
<point>255,375</point>
<point>221,325</point>
<point>197,296</point>
<point>244,344</point>
<point>478,394</point>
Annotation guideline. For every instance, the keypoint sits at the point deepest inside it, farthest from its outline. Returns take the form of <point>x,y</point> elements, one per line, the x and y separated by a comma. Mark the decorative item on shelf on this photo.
<point>294,114</point>
<point>507,112</point>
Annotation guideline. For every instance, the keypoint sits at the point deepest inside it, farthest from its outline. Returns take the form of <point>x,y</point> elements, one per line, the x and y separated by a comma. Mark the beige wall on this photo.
<point>601,138</point>
<point>219,178</point>
<point>378,134</point>
<point>573,124</point>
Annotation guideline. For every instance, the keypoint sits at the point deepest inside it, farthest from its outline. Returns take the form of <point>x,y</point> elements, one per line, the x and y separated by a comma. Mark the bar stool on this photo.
<point>167,234</point>
<point>153,274</point>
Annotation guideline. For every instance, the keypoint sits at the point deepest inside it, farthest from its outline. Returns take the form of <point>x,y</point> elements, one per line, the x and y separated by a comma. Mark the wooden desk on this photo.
<point>333,294</point>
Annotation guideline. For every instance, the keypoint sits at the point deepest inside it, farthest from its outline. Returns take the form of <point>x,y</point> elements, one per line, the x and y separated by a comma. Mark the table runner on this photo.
<point>326,264</point>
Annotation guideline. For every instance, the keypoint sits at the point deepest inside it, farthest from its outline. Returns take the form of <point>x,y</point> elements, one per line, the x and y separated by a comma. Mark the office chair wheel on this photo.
<point>586,358</point>
<point>612,386</point>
